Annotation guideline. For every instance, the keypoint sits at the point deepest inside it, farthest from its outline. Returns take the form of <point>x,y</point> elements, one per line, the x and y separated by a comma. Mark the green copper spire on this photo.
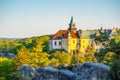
<point>71,19</point>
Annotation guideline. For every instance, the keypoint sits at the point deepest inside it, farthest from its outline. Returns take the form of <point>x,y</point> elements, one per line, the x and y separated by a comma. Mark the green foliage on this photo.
<point>54,62</point>
<point>34,51</point>
<point>72,58</point>
<point>103,36</point>
<point>101,54</point>
<point>40,59</point>
<point>21,58</point>
<point>45,44</point>
<point>75,59</point>
<point>89,55</point>
<point>111,56</point>
<point>6,45</point>
<point>24,56</point>
<point>34,44</point>
<point>115,45</point>
<point>6,68</point>
<point>62,58</point>
<point>118,31</point>
<point>115,68</point>
<point>17,76</point>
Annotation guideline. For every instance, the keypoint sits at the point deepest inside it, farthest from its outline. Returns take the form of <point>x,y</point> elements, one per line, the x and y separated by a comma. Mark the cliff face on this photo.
<point>87,71</point>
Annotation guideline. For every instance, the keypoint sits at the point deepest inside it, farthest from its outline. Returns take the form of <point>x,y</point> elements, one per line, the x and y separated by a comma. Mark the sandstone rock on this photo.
<point>27,71</point>
<point>10,55</point>
<point>93,71</point>
<point>87,71</point>
<point>50,73</point>
<point>2,54</point>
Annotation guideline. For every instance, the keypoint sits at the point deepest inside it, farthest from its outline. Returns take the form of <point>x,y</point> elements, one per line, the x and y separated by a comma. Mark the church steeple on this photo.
<point>72,25</point>
<point>71,21</point>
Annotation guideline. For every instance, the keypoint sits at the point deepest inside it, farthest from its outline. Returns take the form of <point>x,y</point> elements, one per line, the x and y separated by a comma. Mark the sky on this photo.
<point>28,18</point>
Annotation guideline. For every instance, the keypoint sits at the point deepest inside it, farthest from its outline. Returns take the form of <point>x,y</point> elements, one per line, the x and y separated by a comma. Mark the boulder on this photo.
<point>2,54</point>
<point>10,55</point>
<point>92,71</point>
<point>27,71</point>
<point>50,73</point>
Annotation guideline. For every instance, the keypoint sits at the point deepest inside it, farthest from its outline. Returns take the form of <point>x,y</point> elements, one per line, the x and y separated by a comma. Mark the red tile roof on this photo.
<point>64,34</point>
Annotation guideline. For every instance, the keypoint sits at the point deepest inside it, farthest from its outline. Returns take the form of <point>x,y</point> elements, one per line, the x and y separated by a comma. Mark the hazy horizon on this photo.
<point>28,18</point>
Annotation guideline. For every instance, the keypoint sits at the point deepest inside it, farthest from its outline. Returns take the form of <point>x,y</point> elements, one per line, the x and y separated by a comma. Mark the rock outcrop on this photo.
<point>27,71</point>
<point>50,73</point>
<point>2,54</point>
<point>87,71</point>
<point>7,55</point>
<point>10,55</point>
<point>92,71</point>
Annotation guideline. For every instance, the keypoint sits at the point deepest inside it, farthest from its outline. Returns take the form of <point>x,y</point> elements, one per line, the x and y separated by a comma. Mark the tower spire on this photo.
<point>72,26</point>
<point>71,21</point>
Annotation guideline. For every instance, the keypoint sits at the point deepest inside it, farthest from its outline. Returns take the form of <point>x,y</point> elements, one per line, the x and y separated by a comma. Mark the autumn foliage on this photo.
<point>24,56</point>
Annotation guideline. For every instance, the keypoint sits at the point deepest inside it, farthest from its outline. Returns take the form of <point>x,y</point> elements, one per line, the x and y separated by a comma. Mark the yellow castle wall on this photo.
<point>84,43</point>
<point>72,43</point>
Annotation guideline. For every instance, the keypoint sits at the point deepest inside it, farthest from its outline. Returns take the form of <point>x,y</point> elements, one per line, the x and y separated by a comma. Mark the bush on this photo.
<point>6,68</point>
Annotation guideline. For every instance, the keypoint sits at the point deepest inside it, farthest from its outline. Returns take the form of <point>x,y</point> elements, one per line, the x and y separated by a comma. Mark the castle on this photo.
<point>72,40</point>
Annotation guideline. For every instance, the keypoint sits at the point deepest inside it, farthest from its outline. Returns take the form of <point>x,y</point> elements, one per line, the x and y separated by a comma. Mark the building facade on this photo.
<point>72,39</point>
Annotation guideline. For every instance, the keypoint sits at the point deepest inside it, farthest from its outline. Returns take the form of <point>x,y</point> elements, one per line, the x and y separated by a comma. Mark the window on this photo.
<point>73,41</point>
<point>55,43</point>
<point>59,42</point>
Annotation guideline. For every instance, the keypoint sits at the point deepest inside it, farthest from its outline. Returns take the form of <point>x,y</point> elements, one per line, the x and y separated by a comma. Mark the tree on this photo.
<point>41,44</point>
<point>21,58</point>
<point>24,56</point>
<point>102,37</point>
<point>89,55</point>
<point>63,58</point>
<point>39,59</point>
<point>111,56</point>
<point>75,59</point>
<point>46,46</point>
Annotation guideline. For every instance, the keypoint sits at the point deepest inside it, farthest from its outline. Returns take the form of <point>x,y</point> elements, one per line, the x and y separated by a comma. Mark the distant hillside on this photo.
<point>5,38</point>
<point>34,44</point>
<point>10,38</point>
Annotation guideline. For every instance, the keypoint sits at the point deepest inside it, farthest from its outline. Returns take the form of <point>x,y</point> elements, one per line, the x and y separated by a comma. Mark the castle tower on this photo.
<point>72,25</point>
<point>69,41</point>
